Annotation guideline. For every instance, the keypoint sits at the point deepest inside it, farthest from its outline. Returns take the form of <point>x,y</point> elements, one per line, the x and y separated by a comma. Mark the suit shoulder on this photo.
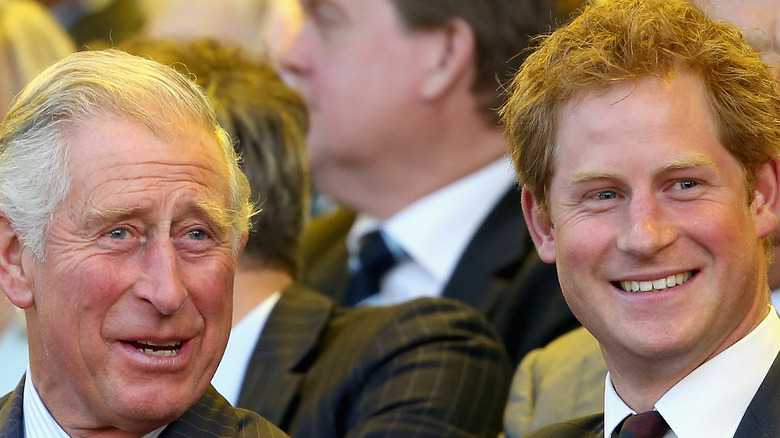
<point>213,416</point>
<point>591,426</point>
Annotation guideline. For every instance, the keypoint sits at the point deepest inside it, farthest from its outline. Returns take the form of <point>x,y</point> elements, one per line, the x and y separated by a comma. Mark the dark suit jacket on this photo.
<point>761,420</point>
<point>499,274</point>
<point>427,368</point>
<point>211,416</point>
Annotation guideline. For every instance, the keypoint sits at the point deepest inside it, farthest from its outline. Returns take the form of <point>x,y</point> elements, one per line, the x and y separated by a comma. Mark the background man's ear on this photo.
<point>13,280</point>
<point>450,60</point>
<point>540,227</point>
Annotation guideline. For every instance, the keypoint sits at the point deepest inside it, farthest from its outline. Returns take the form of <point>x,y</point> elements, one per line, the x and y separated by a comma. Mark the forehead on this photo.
<point>114,154</point>
<point>637,118</point>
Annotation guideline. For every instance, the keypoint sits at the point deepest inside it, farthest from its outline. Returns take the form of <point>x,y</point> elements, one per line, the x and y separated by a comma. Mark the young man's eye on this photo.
<point>606,195</point>
<point>686,184</point>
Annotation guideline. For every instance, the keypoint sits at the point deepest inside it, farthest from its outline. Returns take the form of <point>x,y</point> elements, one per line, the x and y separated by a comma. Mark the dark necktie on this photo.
<point>645,425</point>
<point>375,260</point>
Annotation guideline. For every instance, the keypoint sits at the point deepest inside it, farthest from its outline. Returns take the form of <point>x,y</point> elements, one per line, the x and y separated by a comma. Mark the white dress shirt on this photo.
<point>434,232</point>
<point>241,344</point>
<point>38,422</point>
<point>711,400</point>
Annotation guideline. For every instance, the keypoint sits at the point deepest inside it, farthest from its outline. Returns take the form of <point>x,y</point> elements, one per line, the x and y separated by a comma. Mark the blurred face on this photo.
<point>758,20</point>
<point>656,243</point>
<point>132,306</point>
<point>360,72</point>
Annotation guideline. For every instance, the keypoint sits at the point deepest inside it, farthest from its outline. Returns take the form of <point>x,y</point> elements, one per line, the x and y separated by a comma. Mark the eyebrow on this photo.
<point>219,216</point>
<point>696,161</point>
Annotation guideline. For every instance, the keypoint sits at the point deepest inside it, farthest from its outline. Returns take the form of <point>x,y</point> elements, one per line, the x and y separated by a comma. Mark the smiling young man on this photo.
<point>122,214</point>
<point>647,152</point>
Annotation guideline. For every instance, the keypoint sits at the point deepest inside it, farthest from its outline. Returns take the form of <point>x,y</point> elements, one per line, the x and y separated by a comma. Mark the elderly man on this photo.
<point>645,136</point>
<point>122,214</point>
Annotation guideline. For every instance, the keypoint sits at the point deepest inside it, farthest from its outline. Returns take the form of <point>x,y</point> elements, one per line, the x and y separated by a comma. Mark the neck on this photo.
<point>6,313</point>
<point>641,381</point>
<point>383,188</point>
<point>253,285</point>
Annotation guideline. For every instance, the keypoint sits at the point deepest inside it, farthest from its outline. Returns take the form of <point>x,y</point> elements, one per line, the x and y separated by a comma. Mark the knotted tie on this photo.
<point>375,260</point>
<point>645,425</point>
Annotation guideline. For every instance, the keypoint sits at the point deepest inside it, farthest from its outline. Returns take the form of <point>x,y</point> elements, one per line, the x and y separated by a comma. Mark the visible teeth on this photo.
<point>160,344</point>
<point>660,284</point>
<point>165,352</point>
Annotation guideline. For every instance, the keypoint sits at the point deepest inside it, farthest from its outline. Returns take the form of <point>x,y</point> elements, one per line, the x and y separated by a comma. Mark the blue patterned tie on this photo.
<point>645,425</point>
<point>376,260</point>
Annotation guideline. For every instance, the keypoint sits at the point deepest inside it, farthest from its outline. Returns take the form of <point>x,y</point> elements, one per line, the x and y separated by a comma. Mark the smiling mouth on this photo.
<point>654,285</point>
<point>163,349</point>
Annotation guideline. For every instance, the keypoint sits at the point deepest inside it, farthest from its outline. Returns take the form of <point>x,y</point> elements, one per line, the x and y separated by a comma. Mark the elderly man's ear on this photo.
<point>13,280</point>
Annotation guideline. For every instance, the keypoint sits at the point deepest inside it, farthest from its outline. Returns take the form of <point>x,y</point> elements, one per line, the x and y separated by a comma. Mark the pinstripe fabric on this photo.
<point>429,368</point>
<point>211,416</point>
<point>499,274</point>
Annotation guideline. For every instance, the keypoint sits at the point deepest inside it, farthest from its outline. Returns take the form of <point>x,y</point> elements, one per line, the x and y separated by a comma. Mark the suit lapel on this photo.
<point>278,363</point>
<point>493,257</point>
<point>324,254</point>
<point>762,418</point>
<point>11,420</point>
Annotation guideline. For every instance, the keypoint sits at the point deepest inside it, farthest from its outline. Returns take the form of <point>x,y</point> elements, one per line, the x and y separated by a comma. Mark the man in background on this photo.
<point>404,135</point>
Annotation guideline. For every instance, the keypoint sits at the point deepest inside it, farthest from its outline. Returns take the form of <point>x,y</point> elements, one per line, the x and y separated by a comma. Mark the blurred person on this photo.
<point>122,214</point>
<point>404,134</point>
<point>565,379</point>
<point>260,27</point>
<point>99,24</point>
<point>646,136</point>
<point>427,368</point>
<point>30,40</point>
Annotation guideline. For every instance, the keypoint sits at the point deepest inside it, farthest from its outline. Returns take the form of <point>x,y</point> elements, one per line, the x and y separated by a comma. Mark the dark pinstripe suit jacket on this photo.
<point>761,420</point>
<point>427,368</point>
<point>211,416</point>
<point>499,274</point>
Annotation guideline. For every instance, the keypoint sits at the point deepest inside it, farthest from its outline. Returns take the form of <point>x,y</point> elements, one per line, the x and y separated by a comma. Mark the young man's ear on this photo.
<point>13,279</point>
<point>540,227</point>
<point>450,59</point>
<point>766,200</point>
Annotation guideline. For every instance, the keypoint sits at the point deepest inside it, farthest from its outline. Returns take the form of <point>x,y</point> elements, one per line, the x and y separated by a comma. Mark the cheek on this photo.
<point>210,286</point>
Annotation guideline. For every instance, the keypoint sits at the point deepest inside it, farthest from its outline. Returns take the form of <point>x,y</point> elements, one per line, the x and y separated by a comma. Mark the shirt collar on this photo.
<point>38,421</point>
<point>435,230</point>
<point>696,407</point>
<point>230,373</point>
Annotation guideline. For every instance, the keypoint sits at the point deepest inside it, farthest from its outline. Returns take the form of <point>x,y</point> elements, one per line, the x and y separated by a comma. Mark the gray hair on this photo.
<point>34,176</point>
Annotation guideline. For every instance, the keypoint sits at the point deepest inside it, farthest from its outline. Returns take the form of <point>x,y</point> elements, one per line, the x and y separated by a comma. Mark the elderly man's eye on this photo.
<point>197,234</point>
<point>119,233</point>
